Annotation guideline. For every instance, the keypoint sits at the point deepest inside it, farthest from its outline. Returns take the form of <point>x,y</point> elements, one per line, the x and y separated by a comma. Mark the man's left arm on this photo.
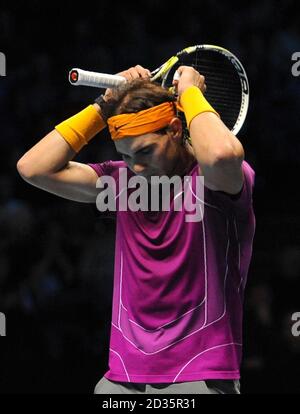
<point>218,152</point>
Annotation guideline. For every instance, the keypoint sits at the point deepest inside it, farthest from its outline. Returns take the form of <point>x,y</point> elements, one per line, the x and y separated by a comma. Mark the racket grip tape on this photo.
<point>79,77</point>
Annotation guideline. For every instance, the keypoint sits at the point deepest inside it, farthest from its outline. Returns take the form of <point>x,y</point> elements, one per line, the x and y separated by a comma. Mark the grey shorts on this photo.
<point>106,386</point>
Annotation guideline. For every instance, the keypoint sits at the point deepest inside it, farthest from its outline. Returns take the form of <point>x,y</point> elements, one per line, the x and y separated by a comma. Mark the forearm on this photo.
<point>55,150</point>
<point>48,156</point>
<point>211,139</point>
<point>218,152</point>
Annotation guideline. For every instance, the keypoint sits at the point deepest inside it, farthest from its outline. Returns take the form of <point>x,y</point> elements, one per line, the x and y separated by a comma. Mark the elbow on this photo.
<point>230,153</point>
<point>22,168</point>
<point>25,170</point>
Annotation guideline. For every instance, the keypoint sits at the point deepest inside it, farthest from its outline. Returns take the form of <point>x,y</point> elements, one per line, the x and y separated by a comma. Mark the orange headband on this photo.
<point>143,122</point>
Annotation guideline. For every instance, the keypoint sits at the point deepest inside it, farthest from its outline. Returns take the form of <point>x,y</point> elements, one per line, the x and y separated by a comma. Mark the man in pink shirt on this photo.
<point>179,280</point>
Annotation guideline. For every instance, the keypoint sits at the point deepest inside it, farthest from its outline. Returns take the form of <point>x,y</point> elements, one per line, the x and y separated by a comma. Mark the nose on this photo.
<point>138,168</point>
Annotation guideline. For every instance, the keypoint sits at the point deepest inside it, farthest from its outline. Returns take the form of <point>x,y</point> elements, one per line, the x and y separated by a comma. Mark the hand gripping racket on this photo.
<point>226,80</point>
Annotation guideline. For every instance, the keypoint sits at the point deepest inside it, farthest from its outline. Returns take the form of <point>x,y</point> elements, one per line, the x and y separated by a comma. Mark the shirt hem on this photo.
<point>152,379</point>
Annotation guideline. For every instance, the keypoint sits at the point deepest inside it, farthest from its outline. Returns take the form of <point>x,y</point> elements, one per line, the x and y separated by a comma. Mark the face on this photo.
<point>151,154</point>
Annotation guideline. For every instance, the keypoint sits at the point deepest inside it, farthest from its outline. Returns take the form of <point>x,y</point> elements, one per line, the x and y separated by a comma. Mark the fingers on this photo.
<point>188,76</point>
<point>136,72</point>
<point>144,73</point>
<point>191,72</point>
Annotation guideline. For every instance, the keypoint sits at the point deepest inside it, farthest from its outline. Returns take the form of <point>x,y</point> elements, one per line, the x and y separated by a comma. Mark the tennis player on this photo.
<point>178,284</point>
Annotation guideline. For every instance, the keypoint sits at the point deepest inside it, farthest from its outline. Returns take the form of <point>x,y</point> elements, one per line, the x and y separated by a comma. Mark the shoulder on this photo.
<point>108,167</point>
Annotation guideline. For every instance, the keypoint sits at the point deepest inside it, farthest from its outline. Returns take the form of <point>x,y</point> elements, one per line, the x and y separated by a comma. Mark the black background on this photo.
<point>56,256</point>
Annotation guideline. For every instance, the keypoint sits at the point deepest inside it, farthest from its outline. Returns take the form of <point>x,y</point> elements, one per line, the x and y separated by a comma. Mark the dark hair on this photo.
<point>136,96</point>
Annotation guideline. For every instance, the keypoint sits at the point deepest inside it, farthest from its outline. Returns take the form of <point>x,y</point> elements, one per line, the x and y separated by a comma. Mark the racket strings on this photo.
<point>224,91</point>
<point>223,83</point>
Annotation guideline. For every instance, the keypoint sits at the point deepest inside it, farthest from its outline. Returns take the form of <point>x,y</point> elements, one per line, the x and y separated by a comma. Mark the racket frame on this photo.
<point>101,80</point>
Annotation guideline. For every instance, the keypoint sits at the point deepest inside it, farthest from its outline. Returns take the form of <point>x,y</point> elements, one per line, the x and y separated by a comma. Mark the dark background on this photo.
<point>56,256</point>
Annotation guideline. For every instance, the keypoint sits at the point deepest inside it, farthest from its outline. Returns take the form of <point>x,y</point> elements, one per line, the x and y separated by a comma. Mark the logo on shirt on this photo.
<point>161,194</point>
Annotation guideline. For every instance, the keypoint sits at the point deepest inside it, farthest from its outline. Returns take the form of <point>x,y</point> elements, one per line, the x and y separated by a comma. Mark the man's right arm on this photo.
<point>47,165</point>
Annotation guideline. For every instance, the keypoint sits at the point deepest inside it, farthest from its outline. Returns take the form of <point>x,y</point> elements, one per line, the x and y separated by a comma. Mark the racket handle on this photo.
<point>97,80</point>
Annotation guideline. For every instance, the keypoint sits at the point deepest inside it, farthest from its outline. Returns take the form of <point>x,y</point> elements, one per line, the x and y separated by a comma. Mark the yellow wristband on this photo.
<point>193,103</point>
<point>81,128</point>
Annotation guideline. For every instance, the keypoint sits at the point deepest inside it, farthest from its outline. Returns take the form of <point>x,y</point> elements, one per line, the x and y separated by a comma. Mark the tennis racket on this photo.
<point>226,80</point>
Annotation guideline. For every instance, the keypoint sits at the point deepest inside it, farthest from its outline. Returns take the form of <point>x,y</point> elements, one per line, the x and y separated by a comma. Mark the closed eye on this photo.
<point>144,151</point>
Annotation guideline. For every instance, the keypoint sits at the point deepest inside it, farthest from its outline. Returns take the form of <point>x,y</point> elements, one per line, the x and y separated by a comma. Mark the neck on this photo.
<point>185,160</point>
